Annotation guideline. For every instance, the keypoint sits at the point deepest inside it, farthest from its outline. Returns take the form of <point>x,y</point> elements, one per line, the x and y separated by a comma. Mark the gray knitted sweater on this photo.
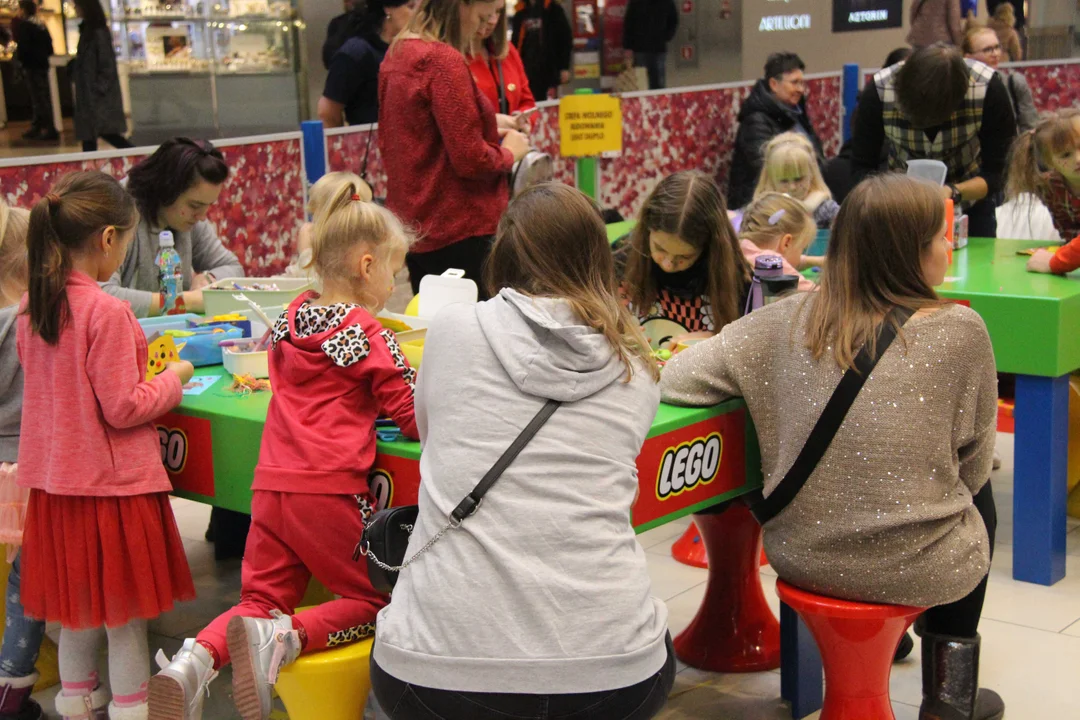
<point>887,515</point>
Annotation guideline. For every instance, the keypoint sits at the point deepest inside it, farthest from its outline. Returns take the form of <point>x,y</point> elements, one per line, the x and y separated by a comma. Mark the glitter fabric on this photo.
<point>887,515</point>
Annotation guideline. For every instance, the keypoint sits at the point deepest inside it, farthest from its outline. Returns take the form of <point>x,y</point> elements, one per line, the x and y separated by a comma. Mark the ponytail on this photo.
<point>64,222</point>
<point>1032,152</point>
<point>13,226</point>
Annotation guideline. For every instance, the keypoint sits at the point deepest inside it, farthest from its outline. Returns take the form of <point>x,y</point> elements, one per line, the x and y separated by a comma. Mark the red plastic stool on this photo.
<point>857,642</point>
<point>689,549</point>
<point>734,629</point>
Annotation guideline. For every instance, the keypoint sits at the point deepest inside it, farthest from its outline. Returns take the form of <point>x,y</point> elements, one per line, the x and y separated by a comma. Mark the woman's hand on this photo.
<point>1040,261</point>
<point>564,77</point>
<point>183,369</point>
<point>193,301</point>
<point>506,122</point>
<point>521,123</point>
<point>516,143</point>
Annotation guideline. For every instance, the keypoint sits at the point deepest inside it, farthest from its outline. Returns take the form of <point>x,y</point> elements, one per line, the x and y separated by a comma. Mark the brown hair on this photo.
<point>79,206</point>
<point>1005,14</point>
<point>497,45</point>
<point>771,216</point>
<point>787,152</point>
<point>1034,150</point>
<point>932,84</point>
<point>440,21</point>
<point>874,263</point>
<point>348,223</point>
<point>552,243</point>
<point>14,223</point>
<point>689,205</point>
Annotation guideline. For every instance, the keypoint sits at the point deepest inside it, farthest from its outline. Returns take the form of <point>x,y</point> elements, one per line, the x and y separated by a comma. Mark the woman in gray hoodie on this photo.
<point>541,599</point>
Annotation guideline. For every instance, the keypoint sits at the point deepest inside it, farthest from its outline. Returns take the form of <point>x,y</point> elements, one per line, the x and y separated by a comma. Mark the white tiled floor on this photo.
<point>1031,634</point>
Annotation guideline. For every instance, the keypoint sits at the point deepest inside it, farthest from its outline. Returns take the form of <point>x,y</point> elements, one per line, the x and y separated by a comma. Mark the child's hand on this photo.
<point>1040,261</point>
<point>183,369</point>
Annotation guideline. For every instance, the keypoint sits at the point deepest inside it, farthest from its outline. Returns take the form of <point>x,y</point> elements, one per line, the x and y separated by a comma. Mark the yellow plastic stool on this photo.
<point>328,685</point>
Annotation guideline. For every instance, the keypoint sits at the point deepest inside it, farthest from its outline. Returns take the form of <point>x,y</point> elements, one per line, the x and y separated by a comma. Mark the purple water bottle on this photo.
<point>770,283</point>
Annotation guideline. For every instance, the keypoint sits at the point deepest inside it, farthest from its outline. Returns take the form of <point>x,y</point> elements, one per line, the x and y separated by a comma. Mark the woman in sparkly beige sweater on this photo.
<point>899,510</point>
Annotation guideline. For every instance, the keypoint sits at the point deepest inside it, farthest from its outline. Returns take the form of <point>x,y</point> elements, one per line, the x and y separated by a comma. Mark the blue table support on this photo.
<point>800,665</point>
<point>1039,478</point>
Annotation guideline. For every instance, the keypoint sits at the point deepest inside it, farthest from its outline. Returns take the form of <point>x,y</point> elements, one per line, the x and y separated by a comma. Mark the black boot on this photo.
<point>950,672</point>
<point>904,648</point>
<point>15,700</point>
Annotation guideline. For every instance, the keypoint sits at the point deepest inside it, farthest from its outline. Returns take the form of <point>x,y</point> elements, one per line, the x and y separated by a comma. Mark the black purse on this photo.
<point>385,539</point>
<point>764,508</point>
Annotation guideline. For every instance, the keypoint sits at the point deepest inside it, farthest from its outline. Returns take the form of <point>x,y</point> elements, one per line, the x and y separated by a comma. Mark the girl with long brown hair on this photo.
<point>101,551</point>
<point>592,642</point>
<point>1045,162</point>
<point>899,510</point>
<point>682,270</point>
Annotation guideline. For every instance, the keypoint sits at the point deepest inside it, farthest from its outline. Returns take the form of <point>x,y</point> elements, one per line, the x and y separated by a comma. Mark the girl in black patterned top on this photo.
<point>682,271</point>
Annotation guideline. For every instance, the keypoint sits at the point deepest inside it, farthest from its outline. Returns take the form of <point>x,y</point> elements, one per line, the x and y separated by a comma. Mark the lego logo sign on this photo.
<point>381,484</point>
<point>686,466</point>
<point>174,445</point>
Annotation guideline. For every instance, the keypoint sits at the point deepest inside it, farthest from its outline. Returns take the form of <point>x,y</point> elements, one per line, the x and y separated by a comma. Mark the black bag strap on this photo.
<point>765,509</point>
<point>504,102</point>
<point>472,501</point>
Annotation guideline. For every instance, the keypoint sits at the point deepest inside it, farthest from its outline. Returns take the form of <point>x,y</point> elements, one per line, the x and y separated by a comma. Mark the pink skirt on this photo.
<point>93,561</point>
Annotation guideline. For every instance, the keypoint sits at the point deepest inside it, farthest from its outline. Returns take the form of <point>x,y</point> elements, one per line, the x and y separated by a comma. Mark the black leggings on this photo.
<point>961,618</point>
<point>117,141</point>
<point>402,701</point>
<point>470,255</point>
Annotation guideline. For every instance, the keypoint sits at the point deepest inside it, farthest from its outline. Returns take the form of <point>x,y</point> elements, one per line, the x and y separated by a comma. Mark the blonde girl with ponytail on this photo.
<point>1045,162</point>
<point>778,224</point>
<point>334,370</point>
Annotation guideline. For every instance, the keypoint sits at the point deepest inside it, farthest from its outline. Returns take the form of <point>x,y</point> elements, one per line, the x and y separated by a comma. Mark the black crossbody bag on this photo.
<point>385,539</point>
<point>764,508</point>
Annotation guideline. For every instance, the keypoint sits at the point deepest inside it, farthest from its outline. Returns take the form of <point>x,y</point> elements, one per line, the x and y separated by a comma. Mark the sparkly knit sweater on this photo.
<point>887,515</point>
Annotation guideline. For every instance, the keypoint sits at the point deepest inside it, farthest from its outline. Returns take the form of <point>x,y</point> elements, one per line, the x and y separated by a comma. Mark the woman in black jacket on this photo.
<point>99,106</point>
<point>647,29</point>
<point>777,104</point>
<point>542,35</point>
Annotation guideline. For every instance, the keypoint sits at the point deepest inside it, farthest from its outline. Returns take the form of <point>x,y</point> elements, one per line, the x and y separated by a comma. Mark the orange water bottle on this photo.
<point>950,226</point>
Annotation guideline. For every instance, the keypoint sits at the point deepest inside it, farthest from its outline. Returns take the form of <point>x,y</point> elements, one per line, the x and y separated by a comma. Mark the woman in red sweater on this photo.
<point>446,157</point>
<point>497,69</point>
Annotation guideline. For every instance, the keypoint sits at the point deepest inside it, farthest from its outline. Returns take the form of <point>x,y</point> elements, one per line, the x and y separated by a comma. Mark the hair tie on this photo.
<point>356,197</point>
<point>775,217</point>
<point>52,198</point>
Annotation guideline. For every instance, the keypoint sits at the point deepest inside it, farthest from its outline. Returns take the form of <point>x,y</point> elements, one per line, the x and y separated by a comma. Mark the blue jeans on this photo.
<point>655,65</point>
<point>22,636</point>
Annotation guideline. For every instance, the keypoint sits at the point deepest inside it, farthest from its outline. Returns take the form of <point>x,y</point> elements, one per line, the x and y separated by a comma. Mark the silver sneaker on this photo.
<point>260,648</point>
<point>180,689</point>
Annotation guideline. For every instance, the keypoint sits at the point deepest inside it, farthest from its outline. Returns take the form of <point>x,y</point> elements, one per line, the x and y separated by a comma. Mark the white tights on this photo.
<point>129,661</point>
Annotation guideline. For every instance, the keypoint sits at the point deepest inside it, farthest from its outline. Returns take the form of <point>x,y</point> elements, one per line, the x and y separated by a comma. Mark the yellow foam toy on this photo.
<point>47,665</point>
<point>413,308</point>
<point>328,685</point>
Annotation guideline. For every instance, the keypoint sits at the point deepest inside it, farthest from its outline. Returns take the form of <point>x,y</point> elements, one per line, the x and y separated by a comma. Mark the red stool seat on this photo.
<point>857,642</point>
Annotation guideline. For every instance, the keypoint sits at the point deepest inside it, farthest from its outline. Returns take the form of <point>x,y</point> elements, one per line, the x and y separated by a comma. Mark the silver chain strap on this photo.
<point>452,524</point>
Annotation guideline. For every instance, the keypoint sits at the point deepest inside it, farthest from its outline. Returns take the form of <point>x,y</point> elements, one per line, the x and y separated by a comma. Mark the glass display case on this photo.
<point>215,68</point>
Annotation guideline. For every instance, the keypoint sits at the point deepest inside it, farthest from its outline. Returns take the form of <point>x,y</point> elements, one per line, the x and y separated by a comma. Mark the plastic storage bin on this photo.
<point>202,348</point>
<point>218,298</point>
<point>255,364</point>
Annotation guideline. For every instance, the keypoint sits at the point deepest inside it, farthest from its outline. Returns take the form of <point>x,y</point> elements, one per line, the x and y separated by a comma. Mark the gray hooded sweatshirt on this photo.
<point>544,590</point>
<point>11,387</point>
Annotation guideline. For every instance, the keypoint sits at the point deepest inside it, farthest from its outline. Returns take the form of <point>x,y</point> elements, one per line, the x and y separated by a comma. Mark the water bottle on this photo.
<point>170,271</point>
<point>769,282</point>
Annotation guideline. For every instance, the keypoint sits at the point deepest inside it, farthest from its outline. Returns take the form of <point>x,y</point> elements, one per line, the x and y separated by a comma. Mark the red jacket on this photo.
<point>485,72</point>
<point>446,173</point>
<point>88,412</point>
<point>334,370</point>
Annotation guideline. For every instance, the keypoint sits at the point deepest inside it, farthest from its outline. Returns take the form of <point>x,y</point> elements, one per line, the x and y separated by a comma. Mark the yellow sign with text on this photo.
<point>590,125</point>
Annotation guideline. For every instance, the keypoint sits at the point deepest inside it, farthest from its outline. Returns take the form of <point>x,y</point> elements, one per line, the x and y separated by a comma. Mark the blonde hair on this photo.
<point>771,216</point>
<point>439,21</point>
<point>874,263</point>
<point>974,30</point>
<point>1033,151</point>
<point>14,269</point>
<point>348,224</point>
<point>327,186</point>
<point>552,243</point>
<point>786,153</point>
<point>1005,14</point>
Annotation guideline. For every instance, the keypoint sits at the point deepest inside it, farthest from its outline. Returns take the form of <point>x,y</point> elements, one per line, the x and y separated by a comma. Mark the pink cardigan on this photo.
<point>87,410</point>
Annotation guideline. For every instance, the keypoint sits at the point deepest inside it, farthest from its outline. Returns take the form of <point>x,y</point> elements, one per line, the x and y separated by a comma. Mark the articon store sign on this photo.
<point>781,23</point>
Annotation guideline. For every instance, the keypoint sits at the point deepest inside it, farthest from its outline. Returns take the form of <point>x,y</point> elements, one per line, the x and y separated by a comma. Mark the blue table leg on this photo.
<point>800,665</point>
<point>1039,478</point>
